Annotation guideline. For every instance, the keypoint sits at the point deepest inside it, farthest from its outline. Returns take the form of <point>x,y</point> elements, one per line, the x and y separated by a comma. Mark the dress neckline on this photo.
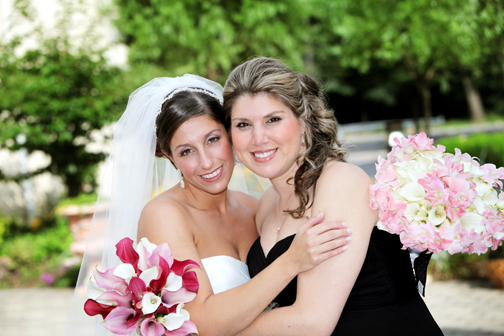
<point>266,255</point>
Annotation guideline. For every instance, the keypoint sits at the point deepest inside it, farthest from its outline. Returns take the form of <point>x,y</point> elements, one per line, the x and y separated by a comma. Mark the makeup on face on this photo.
<point>202,152</point>
<point>266,134</point>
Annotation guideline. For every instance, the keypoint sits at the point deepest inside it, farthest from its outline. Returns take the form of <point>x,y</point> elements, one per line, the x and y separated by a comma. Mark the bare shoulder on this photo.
<point>344,175</point>
<point>162,217</point>
<point>343,190</point>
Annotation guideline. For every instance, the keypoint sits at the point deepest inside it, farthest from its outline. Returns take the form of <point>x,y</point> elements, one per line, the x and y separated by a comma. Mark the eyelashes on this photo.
<point>272,120</point>
<point>210,140</point>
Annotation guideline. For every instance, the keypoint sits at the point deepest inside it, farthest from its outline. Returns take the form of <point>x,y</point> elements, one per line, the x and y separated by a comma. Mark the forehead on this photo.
<point>195,128</point>
<point>258,105</point>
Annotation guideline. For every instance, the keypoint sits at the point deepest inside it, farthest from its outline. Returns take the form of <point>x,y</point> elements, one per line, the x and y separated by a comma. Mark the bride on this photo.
<point>181,121</point>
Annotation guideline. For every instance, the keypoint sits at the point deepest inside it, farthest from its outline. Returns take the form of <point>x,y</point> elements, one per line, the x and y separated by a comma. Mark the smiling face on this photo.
<point>266,135</point>
<point>201,150</point>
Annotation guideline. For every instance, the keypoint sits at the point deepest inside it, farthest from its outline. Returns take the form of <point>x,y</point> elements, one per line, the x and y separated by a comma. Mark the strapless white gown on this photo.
<point>225,272</point>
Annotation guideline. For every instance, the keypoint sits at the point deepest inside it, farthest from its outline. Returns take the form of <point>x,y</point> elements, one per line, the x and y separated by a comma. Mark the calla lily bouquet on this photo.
<point>147,291</point>
<point>438,201</point>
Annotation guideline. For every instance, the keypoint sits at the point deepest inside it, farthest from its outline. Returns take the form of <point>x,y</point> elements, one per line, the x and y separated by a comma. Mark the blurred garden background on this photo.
<point>68,66</point>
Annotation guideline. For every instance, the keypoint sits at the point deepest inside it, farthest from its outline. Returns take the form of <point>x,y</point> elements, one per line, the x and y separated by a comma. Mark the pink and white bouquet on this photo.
<point>438,201</point>
<point>147,291</point>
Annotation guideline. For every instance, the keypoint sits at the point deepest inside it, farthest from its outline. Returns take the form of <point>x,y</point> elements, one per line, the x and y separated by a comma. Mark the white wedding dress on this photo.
<point>225,272</point>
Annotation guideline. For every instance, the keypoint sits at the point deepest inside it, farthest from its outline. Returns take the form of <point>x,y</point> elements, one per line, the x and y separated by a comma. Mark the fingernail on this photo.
<point>349,239</point>
<point>344,248</point>
<point>350,231</point>
<point>344,224</point>
<point>320,214</point>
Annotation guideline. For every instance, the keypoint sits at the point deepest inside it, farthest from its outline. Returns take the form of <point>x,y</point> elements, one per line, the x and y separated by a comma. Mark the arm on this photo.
<point>229,312</point>
<point>322,292</point>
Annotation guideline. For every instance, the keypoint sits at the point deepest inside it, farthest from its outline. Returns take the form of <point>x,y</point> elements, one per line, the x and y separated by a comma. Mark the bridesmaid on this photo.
<point>282,130</point>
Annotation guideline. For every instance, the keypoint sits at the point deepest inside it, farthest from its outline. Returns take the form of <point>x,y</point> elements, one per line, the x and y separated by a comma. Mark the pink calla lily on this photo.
<point>127,253</point>
<point>183,295</point>
<point>92,308</point>
<point>151,327</point>
<point>162,251</point>
<point>108,281</point>
<point>122,300</point>
<point>187,328</point>
<point>134,293</point>
<point>122,321</point>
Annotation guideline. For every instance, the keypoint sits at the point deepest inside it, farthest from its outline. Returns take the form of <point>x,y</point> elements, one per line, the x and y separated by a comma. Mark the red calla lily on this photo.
<point>180,267</point>
<point>92,308</point>
<point>127,253</point>
<point>157,284</point>
<point>190,281</point>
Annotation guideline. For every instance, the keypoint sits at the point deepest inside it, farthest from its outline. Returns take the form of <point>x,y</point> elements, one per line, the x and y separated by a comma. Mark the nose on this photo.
<point>206,159</point>
<point>259,136</point>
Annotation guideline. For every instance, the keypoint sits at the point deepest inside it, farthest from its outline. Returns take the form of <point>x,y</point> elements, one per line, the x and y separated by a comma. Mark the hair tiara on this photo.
<point>182,89</point>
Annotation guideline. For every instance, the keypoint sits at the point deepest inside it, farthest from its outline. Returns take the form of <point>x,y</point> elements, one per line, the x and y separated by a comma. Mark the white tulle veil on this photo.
<point>133,176</point>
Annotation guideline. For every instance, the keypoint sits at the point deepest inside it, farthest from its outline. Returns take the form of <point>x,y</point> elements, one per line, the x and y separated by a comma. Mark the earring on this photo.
<point>302,140</point>
<point>182,184</point>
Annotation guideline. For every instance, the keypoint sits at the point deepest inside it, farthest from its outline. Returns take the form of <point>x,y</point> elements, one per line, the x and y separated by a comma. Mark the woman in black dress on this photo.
<point>282,130</point>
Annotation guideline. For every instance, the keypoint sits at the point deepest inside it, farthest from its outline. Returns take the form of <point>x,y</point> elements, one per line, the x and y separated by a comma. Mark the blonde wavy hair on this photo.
<point>304,95</point>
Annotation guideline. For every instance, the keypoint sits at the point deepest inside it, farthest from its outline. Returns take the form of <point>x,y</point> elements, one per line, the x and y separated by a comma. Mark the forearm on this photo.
<point>229,312</point>
<point>286,321</point>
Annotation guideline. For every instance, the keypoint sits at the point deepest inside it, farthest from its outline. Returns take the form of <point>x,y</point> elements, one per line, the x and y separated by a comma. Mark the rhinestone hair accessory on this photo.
<point>174,92</point>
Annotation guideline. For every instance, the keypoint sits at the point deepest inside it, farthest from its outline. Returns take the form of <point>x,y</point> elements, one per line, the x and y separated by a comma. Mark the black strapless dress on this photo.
<point>384,300</point>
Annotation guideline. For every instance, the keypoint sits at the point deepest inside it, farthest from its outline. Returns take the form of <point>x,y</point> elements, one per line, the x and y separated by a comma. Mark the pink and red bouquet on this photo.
<point>438,201</point>
<point>147,291</point>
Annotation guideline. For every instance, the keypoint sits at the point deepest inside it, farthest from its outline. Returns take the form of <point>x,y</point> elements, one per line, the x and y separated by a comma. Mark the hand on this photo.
<point>316,242</point>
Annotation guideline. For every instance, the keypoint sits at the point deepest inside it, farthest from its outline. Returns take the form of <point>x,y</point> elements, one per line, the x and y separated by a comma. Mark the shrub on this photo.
<point>33,253</point>
<point>489,148</point>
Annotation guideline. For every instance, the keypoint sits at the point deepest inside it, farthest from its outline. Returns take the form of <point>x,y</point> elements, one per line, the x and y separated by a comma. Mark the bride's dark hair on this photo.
<point>304,95</point>
<point>183,106</point>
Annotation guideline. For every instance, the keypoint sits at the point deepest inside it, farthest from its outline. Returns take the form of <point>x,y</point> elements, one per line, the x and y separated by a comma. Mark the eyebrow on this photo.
<point>206,136</point>
<point>266,116</point>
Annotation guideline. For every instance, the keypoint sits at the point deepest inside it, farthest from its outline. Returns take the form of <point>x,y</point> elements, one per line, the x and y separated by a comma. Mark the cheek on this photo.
<point>187,166</point>
<point>240,141</point>
<point>223,151</point>
<point>290,134</point>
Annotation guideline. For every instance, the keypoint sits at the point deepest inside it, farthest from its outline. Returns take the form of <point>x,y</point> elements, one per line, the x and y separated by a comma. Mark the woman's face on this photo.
<point>201,150</point>
<point>266,135</point>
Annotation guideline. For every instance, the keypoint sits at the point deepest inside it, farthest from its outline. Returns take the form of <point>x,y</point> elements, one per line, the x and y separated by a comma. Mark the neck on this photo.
<point>284,189</point>
<point>203,200</point>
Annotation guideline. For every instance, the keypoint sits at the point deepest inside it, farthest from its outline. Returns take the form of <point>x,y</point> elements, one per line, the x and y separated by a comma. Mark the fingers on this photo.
<point>315,220</point>
<point>331,253</point>
<point>338,229</point>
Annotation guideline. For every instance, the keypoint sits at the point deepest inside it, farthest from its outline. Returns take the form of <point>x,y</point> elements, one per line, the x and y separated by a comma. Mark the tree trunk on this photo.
<point>73,185</point>
<point>474,103</point>
<point>426,102</point>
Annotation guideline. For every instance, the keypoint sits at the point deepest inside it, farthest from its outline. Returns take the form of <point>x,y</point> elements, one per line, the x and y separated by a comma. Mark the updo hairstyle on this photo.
<point>303,94</point>
<point>183,106</point>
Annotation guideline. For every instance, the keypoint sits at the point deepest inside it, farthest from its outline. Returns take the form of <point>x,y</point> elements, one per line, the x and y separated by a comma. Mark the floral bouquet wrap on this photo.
<point>146,292</point>
<point>438,201</point>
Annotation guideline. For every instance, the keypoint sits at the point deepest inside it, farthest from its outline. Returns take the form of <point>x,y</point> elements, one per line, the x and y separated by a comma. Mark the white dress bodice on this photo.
<point>225,272</point>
